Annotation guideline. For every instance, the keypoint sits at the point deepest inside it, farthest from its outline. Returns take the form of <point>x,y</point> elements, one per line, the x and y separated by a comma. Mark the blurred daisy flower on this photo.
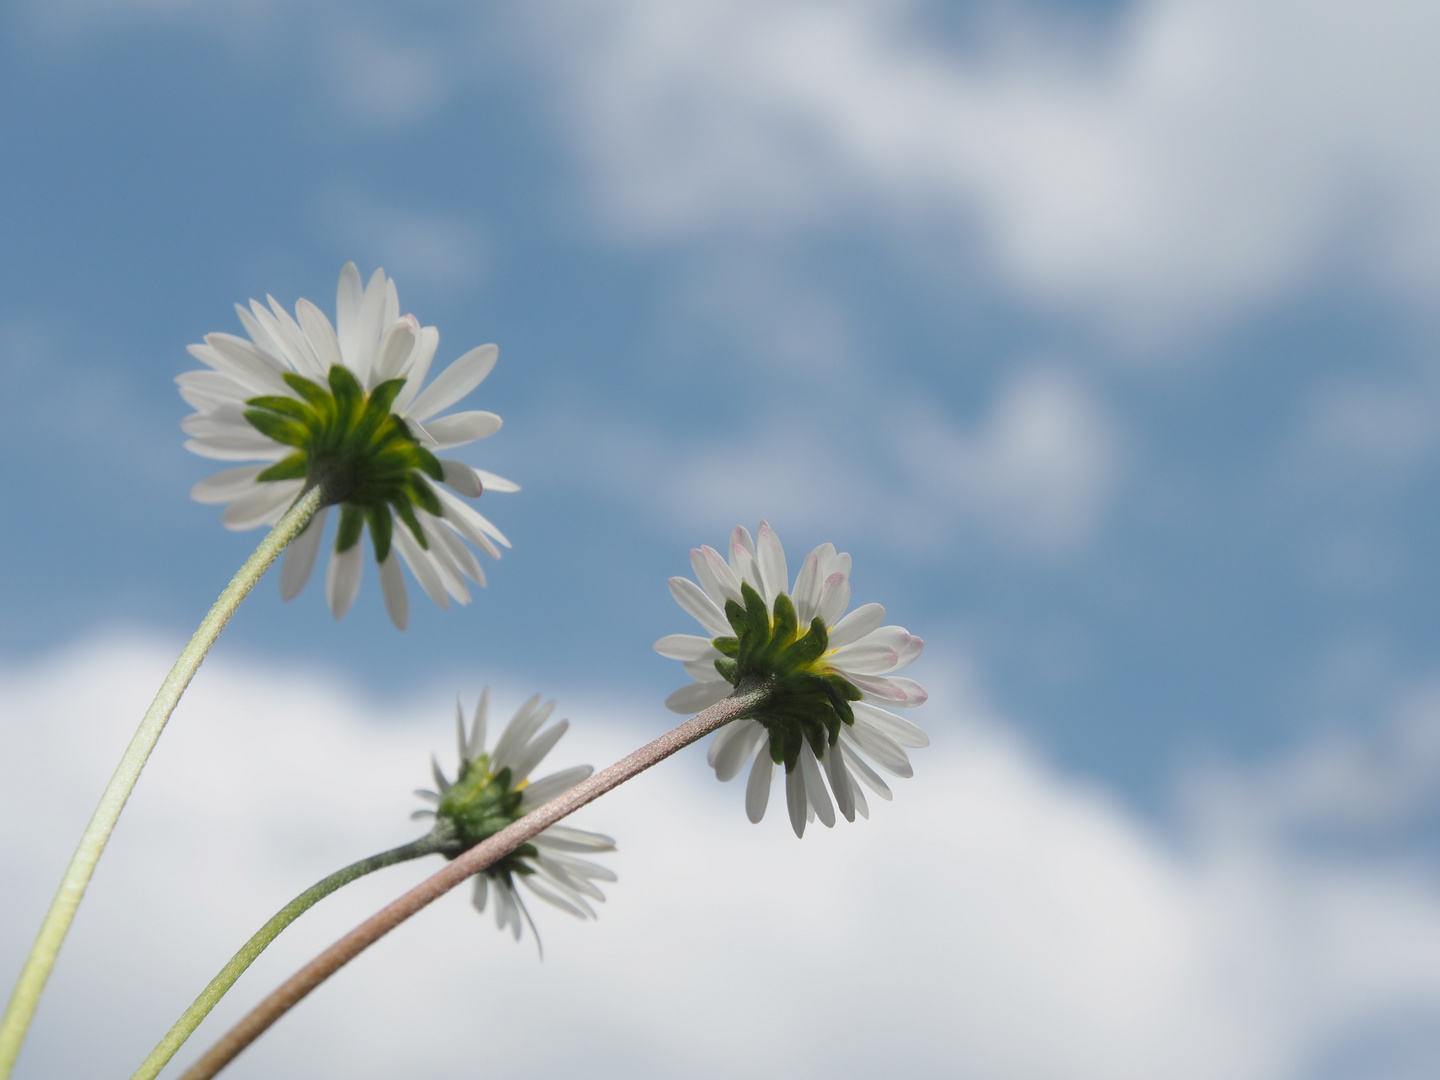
<point>343,407</point>
<point>491,790</point>
<point>827,676</point>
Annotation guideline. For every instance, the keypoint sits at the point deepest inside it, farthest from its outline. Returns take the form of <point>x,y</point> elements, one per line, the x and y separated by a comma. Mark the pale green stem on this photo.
<point>92,843</point>
<point>201,1006</point>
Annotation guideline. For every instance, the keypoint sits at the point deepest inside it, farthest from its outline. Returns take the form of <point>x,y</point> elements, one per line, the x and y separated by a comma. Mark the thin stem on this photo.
<point>210,996</point>
<point>465,866</point>
<point>31,983</point>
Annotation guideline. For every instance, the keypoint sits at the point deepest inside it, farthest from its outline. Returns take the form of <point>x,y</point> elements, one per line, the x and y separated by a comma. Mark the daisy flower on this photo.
<point>492,789</point>
<point>827,676</point>
<point>343,406</point>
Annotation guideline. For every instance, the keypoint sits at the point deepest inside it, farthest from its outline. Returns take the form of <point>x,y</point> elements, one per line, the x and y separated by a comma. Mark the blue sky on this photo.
<point>717,302</point>
<point>1102,335</point>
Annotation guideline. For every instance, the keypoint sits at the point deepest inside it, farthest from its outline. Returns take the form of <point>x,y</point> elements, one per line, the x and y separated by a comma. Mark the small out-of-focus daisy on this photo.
<point>827,676</point>
<point>494,788</point>
<point>343,406</point>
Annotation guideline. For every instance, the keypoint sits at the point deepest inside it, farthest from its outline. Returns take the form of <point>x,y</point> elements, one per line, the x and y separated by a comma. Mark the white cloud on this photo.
<point>1203,159</point>
<point>998,919</point>
<point>1035,474</point>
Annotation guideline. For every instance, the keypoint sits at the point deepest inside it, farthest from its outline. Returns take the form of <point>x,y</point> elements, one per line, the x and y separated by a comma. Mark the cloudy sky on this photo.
<point>1103,335</point>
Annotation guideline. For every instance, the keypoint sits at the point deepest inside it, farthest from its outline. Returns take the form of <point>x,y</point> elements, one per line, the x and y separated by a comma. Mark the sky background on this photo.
<point>1103,335</point>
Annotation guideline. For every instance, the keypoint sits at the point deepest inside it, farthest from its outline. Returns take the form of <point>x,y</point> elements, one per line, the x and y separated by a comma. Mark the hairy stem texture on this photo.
<point>30,985</point>
<point>482,855</point>
<point>201,1006</point>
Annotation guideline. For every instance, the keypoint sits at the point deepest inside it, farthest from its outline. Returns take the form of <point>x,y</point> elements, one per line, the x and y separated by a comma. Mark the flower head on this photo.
<point>343,407</point>
<point>492,789</point>
<point>823,673</point>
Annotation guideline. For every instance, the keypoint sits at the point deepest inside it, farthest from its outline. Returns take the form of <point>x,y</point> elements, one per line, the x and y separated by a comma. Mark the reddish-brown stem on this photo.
<point>293,990</point>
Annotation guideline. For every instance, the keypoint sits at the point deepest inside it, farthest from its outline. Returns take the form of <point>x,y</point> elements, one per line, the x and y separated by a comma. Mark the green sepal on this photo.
<point>349,396</point>
<point>809,648</point>
<point>424,495</point>
<point>735,616</point>
<point>352,522</point>
<point>290,468</point>
<point>430,464</point>
<point>727,645</point>
<point>286,406</point>
<point>783,631</point>
<point>274,426</point>
<point>407,515</point>
<point>312,392</point>
<point>380,528</point>
<point>727,670</point>
<point>383,396</point>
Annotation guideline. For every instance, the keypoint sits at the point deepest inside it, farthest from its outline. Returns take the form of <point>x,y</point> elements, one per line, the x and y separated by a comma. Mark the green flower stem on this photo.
<point>36,971</point>
<point>462,868</point>
<point>201,1006</point>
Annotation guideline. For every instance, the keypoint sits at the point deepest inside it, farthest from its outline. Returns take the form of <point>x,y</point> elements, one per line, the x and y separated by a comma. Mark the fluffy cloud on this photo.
<point>1000,918</point>
<point>1033,475</point>
<point>1189,161</point>
<point>1196,160</point>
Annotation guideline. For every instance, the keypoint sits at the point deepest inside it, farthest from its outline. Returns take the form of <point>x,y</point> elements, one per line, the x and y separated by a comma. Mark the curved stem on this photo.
<point>26,995</point>
<point>465,866</point>
<point>201,1006</point>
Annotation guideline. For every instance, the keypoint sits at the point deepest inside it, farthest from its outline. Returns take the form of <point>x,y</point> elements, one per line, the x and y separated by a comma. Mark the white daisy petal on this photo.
<point>887,723</point>
<point>462,427</point>
<point>555,901</point>
<point>342,578</point>
<point>834,597</point>
<point>392,586</point>
<point>349,294</point>
<point>892,689</point>
<point>864,658</point>
<point>263,505</point>
<point>693,599</point>
<point>806,595</point>
<point>737,750</point>
<point>239,446</point>
<point>703,671</point>
<point>533,752</point>
<point>319,335</point>
<point>881,749</point>
<point>417,367</point>
<point>299,559</point>
<point>475,746</point>
<point>541,791</point>
<point>856,625</point>
<point>293,342</point>
<point>723,736</point>
<point>815,792</point>
<point>771,555</point>
<point>757,789</point>
<point>452,384</point>
<point>393,352</point>
<point>482,889</point>
<point>795,800</point>
<point>420,565</point>
<point>523,725</point>
<point>714,576</point>
<point>471,524</point>
<point>696,696</point>
<point>686,647</point>
<point>492,482</point>
<point>462,478</point>
<point>862,769</point>
<point>840,782</point>
<point>569,838</point>
<point>226,485</point>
